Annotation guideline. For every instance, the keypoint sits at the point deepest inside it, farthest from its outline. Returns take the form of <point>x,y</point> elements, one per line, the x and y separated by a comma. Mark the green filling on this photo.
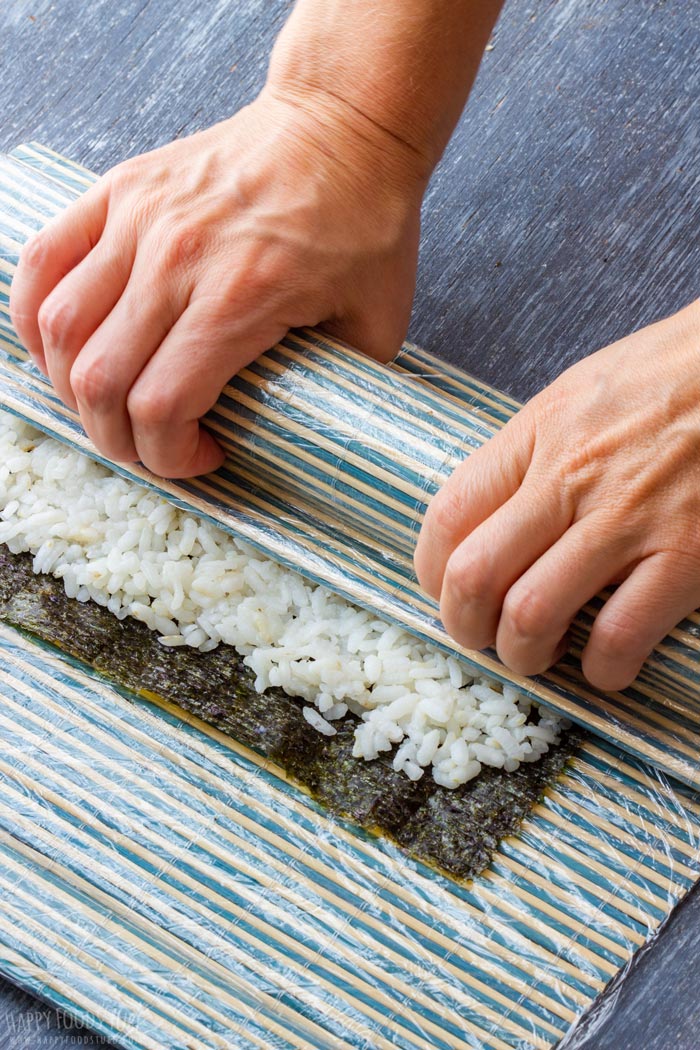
<point>454,831</point>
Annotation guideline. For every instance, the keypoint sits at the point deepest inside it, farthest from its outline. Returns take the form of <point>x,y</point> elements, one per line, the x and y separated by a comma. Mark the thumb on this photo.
<point>375,336</point>
<point>375,314</point>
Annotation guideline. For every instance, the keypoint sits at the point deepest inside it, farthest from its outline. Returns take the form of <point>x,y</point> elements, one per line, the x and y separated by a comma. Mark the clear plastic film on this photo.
<point>171,888</point>
<point>331,460</point>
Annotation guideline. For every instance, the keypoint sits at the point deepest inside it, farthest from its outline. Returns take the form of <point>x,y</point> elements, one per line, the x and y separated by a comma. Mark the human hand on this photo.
<point>596,481</point>
<point>181,266</point>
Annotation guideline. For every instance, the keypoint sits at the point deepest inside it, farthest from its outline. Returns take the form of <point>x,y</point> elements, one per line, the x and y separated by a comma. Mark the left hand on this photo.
<point>596,481</point>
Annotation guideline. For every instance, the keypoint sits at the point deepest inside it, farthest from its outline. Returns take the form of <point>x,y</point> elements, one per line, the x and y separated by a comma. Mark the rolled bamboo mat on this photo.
<point>331,460</point>
<point>169,888</point>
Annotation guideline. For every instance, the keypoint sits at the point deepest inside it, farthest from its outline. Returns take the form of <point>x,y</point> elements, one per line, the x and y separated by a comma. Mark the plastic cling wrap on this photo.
<point>172,890</point>
<point>332,458</point>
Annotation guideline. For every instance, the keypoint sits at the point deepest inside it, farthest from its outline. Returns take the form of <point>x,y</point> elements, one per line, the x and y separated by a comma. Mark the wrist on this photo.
<point>693,310</point>
<point>355,139</point>
<point>685,324</point>
<point>398,72</point>
<point>319,79</point>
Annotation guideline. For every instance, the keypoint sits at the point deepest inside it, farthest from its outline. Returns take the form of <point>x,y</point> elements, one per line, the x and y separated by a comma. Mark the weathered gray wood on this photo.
<point>565,213</point>
<point>657,1005</point>
<point>27,1023</point>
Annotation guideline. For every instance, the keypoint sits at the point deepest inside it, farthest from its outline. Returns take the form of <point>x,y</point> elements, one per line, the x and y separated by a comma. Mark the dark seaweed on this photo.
<point>454,831</point>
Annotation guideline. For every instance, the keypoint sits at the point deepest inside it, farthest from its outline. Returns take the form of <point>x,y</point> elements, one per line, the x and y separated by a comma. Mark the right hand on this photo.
<point>180,266</point>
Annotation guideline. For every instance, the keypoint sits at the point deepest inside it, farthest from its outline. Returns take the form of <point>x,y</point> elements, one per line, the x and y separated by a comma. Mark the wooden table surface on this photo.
<point>565,213</point>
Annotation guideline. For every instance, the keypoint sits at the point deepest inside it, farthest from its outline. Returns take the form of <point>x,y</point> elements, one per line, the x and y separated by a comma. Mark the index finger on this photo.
<point>474,491</point>
<point>47,257</point>
<point>183,380</point>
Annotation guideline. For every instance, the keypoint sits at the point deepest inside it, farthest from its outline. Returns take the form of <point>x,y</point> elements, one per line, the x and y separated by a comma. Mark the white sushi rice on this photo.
<point>124,547</point>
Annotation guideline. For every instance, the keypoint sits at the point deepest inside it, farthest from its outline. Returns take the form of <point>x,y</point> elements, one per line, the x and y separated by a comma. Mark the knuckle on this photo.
<point>93,386</point>
<point>468,576</point>
<point>468,599</point>
<point>35,252</point>
<point>132,199</point>
<point>616,635</point>
<point>274,270</point>
<point>444,510</point>
<point>57,321</point>
<point>123,177</point>
<point>152,408</point>
<point>264,277</point>
<point>527,612</point>
<point>183,245</point>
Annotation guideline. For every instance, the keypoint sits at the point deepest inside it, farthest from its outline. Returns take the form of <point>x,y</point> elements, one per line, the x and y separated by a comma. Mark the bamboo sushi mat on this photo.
<point>331,460</point>
<point>173,890</point>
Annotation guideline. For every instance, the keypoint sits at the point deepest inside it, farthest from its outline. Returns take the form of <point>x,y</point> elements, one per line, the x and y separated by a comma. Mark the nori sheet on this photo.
<point>455,831</point>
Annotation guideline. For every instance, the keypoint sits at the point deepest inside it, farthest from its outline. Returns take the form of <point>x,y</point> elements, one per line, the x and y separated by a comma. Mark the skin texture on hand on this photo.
<point>181,266</point>
<point>595,481</point>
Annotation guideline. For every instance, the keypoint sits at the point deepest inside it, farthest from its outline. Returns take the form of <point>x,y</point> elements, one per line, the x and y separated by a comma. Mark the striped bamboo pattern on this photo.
<point>170,888</point>
<point>331,459</point>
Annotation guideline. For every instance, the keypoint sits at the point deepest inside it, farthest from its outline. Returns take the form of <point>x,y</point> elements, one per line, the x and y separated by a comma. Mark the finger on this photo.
<point>46,259</point>
<point>540,605</point>
<point>111,361</point>
<point>378,321</point>
<point>484,566</point>
<point>473,492</point>
<point>378,335</point>
<point>79,304</point>
<point>183,380</point>
<point>660,592</point>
